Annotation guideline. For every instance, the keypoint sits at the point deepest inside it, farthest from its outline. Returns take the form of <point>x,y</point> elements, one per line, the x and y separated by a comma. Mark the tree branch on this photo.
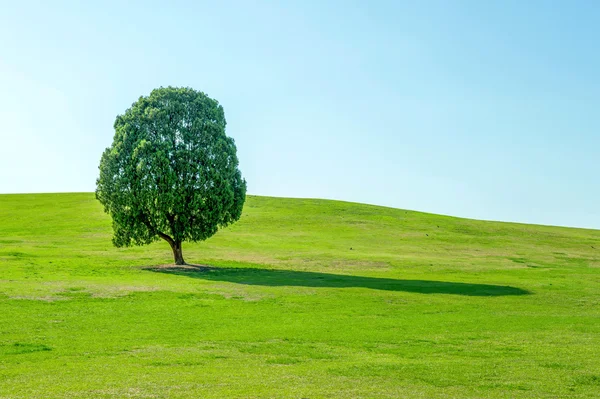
<point>167,238</point>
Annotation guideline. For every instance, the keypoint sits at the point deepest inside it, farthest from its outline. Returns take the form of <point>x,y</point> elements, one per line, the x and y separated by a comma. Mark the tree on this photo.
<point>171,171</point>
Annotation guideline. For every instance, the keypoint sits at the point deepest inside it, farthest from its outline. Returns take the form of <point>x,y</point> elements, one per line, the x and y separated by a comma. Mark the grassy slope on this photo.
<point>498,310</point>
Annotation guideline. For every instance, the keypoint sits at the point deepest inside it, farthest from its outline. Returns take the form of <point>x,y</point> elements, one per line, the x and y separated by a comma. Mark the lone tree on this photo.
<point>171,172</point>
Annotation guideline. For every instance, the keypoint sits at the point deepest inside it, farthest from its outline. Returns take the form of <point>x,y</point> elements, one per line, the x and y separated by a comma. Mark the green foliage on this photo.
<point>171,171</point>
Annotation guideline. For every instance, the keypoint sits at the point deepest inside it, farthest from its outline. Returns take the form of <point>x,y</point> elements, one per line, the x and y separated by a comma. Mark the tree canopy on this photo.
<point>171,171</point>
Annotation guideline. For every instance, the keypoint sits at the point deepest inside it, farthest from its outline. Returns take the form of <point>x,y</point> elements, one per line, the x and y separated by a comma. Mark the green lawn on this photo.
<point>302,299</point>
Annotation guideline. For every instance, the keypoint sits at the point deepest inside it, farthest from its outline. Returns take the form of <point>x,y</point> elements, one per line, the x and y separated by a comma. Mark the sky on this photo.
<point>479,109</point>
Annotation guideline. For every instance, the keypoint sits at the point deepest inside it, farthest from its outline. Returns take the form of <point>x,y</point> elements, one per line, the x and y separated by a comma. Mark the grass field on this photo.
<point>302,299</point>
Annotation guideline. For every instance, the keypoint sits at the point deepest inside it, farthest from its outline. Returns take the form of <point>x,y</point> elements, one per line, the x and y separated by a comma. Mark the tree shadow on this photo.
<point>292,278</point>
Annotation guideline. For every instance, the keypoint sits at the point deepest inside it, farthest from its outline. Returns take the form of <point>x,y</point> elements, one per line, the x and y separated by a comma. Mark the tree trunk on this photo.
<point>176,247</point>
<point>177,253</point>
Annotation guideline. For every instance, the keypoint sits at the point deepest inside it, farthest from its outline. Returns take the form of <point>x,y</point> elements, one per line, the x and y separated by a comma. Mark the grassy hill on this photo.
<point>304,299</point>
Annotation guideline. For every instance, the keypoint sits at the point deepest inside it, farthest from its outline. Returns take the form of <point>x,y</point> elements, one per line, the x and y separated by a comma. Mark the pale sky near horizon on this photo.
<point>480,109</point>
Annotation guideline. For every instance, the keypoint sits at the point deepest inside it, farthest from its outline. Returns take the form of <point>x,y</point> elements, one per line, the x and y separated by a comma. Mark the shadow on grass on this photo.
<point>282,278</point>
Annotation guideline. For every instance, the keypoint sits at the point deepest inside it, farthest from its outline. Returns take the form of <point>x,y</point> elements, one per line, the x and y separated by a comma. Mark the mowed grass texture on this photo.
<point>299,299</point>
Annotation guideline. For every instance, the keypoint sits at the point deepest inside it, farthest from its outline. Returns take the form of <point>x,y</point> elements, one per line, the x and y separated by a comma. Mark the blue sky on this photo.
<point>482,109</point>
